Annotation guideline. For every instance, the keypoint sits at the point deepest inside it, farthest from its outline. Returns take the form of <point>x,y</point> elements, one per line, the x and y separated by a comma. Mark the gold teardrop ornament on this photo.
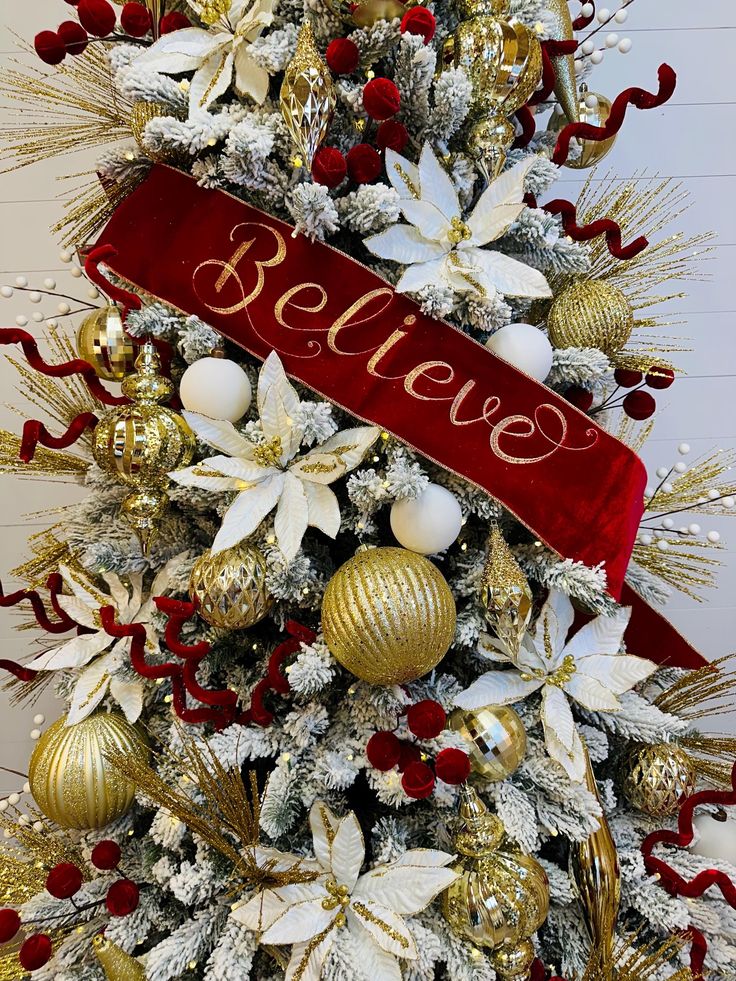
<point>308,96</point>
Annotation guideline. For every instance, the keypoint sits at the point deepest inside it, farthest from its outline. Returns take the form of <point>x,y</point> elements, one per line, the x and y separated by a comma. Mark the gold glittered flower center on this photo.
<point>214,10</point>
<point>459,231</point>
<point>337,896</point>
<point>269,454</point>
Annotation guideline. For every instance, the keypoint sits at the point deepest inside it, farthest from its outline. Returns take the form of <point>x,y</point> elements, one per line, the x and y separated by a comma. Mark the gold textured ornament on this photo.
<point>501,897</point>
<point>560,29</point>
<point>657,778</point>
<point>503,60</point>
<point>73,782</point>
<point>495,739</point>
<point>591,151</point>
<point>368,12</point>
<point>231,587</point>
<point>103,342</point>
<point>117,965</point>
<point>591,313</point>
<point>505,593</point>
<point>307,96</point>
<point>141,442</point>
<point>388,615</point>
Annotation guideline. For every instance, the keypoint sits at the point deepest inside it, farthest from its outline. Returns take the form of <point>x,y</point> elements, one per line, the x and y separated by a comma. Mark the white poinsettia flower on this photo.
<point>104,660</point>
<point>217,53</point>
<point>587,668</point>
<point>441,246</point>
<point>271,475</point>
<point>369,907</point>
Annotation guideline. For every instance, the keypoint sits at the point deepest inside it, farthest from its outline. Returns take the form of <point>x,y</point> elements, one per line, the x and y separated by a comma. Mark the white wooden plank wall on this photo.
<point>691,138</point>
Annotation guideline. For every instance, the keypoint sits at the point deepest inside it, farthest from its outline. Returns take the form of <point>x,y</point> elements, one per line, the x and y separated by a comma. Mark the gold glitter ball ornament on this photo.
<point>657,778</point>
<point>117,965</point>
<point>308,96</point>
<point>231,587</point>
<point>593,109</point>
<point>388,615</point>
<point>591,313</point>
<point>495,739</point>
<point>72,781</point>
<point>102,341</point>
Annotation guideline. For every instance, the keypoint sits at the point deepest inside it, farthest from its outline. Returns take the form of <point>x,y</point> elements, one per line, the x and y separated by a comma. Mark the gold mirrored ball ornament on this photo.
<point>388,615</point>
<point>657,778</point>
<point>591,313</point>
<point>593,109</point>
<point>230,587</point>
<point>103,342</point>
<point>495,739</point>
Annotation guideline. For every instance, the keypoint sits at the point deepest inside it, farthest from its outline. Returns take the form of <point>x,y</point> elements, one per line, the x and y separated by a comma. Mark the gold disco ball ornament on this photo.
<point>591,313</point>
<point>72,779</point>
<point>230,587</point>
<point>593,109</point>
<point>495,739</point>
<point>388,615</point>
<point>103,342</point>
<point>657,778</point>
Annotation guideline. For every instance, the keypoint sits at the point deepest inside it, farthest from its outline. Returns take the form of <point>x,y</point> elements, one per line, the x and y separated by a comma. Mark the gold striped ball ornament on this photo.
<point>591,313</point>
<point>657,778</point>
<point>388,615</point>
<point>102,341</point>
<point>495,739</point>
<point>72,779</point>
<point>230,587</point>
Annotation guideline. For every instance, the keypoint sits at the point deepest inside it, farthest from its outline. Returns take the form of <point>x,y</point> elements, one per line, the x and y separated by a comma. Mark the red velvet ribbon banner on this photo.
<point>346,334</point>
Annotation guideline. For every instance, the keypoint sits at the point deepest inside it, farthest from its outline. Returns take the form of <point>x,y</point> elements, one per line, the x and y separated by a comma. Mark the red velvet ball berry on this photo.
<point>364,163</point>
<point>579,397</point>
<point>418,781</point>
<point>122,898</point>
<point>35,952</point>
<point>452,766</point>
<point>426,719</point>
<point>419,20</point>
<point>64,880</point>
<point>106,855</point>
<point>381,98</point>
<point>96,17</point>
<point>342,56</point>
<point>74,37</point>
<point>50,47</point>
<point>329,167</point>
<point>660,377</point>
<point>392,135</point>
<point>174,22</point>
<point>639,405</point>
<point>626,377</point>
<point>408,753</point>
<point>383,750</point>
<point>9,925</point>
<point>135,20</point>
<point>72,3</point>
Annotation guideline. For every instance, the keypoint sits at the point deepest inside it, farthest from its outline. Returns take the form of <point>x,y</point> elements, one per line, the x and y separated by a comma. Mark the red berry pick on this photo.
<point>426,719</point>
<point>418,781</point>
<point>106,855</point>
<point>392,135</point>
<point>408,753</point>
<point>419,20</point>
<point>135,19</point>
<point>74,36</point>
<point>364,164</point>
<point>660,377</point>
<point>452,766</point>
<point>329,167</point>
<point>626,377</point>
<point>122,898</point>
<point>64,880</point>
<point>50,47</point>
<point>639,405</point>
<point>342,56</point>
<point>580,397</point>
<point>9,925</point>
<point>381,98</point>
<point>96,17</point>
<point>35,952</point>
<point>174,22</point>
<point>383,751</point>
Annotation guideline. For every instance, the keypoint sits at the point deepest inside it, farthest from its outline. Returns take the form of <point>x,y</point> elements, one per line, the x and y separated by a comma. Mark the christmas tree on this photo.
<point>357,625</point>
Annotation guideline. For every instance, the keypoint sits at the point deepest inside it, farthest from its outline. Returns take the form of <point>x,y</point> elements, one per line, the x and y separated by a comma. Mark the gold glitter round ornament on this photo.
<point>495,739</point>
<point>117,965</point>
<point>72,780</point>
<point>102,341</point>
<point>596,114</point>
<point>388,615</point>
<point>231,587</point>
<point>657,778</point>
<point>591,313</point>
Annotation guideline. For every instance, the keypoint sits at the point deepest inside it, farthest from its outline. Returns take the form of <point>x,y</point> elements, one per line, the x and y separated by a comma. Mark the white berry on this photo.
<point>34,297</point>
<point>597,57</point>
<point>38,317</point>
<point>38,826</point>
<point>646,539</point>
<point>663,545</point>
<point>668,523</point>
<point>587,9</point>
<point>611,40</point>
<point>21,282</point>
<point>14,799</point>
<point>26,788</point>
<point>64,309</point>
<point>683,449</point>
<point>39,719</point>
<point>76,272</point>
<point>662,471</point>
<point>591,100</point>
<point>66,257</point>
<point>6,291</point>
<point>35,733</point>
<point>728,502</point>
<point>621,16</point>
<point>587,47</point>
<point>603,15</point>
<point>713,536</point>
<point>694,528</point>
<point>680,467</point>
<point>21,321</point>
<point>667,488</point>
<point>49,284</point>
<point>624,45</point>
<point>93,293</point>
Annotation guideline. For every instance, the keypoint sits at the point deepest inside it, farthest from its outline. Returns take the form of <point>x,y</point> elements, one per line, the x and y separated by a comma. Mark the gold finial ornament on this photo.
<point>503,60</point>
<point>565,88</point>
<point>117,965</point>
<point>501,896</point>
<point>593,109</point>
<point>141,442</point>
<point>307,96</point>
<point>495,739</point>
<point>505,593</point>
<point>657,778</point>
<point>103,342</point>
<point>591,313</point>
<point>231,587</point>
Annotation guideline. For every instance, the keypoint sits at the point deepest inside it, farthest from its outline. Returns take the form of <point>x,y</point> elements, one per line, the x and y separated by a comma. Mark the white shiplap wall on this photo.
<point>691,138</point>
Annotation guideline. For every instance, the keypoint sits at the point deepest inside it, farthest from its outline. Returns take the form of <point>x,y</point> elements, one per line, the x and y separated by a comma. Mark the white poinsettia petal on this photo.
<point>487,227</point>
<point>324,508</point>
<point>559,624</point>
<point>251,18</point>
<point>374,961</point>
<point>202,476</point>
<point>307,959</point>
<point>336,456</point>
<point>421,274</point>
<point>618,672</point>
<point>557,716</point>
<point>118,592</point>
<point>128,693</point>
<point>496,688</point>
<point>165,574</point>
<point>219,434</point>
<point>406,889</point>
<point>135,599</point>
<point>403,174</point>
<point>247,511</point>
<point>246,471</point>
<point>81,613</point>
<point>83,588</point>
<point>323,825</point>
<point>73,654</point>
<point>435,184</point>
<point>300,921</point>
<point>572,761</point>
<point>505,190</point>
<point>602,635</point>
<point>424,857</point>
<point>591,694</point>
<point>292,516</point>
<point>179,51</point>
<point>427,218</point>
<point>347,851</point>
<point>386,928</point>
<point>509,276</point>
<point>492,649</point>
<point>404,244</point>
<point>250,79</point>
<point>90,689</point>
<point>279,407</point>
<point>212,79</point>
<point>265,907</point>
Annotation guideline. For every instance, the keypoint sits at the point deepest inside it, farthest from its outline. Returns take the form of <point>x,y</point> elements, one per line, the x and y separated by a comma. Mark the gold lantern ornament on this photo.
<point>494,737</point>
<point>503,60</point>
<point>72,779</point>
<point>230,587</point>
<point>117,965</point>
<point>593,109</point>
<point>103,342</point>
<point>388,615</point>
<point>657,778</point>
<point>591,313</point>
<point>141,442</point>
<point>308,96</point>
<point>501,896</point>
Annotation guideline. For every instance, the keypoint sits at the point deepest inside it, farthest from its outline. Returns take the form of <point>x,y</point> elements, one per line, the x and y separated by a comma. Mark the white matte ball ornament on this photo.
<point>716,837</point>
<point>525,347</point>
<point>217,388</point>
<point>428,523</point>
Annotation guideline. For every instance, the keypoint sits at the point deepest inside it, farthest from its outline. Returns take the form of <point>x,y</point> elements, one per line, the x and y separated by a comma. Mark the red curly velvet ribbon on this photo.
<point>275,679</point>
<point>584,233</point>
<point>129,301</point>
<point>54,584</point>
<point>35,434</point>
<point>581,22</point>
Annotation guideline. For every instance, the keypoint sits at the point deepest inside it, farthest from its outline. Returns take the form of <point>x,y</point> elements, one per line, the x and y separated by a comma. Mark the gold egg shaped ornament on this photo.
<point>591,313</point>
<point>230,587</point>
<point>72,779</point>
<point>657,778</point>
<point>596,114</point>
<point>495,739</point>
<point>388,615</point>
<point>103,342</point>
